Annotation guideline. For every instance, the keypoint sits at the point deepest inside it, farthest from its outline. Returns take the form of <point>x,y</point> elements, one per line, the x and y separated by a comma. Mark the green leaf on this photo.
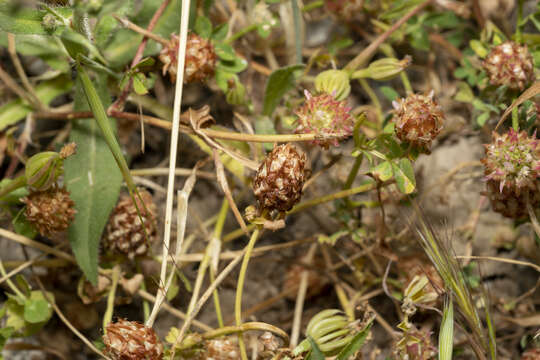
<point>404,175</point>
<point>481,120</point>
<point>383,171</point>
<point>446,334</point>
<point>104,30</point>
<point>225,52</point>
<point>279,82</point>
<point>94,181</point>
<point>264,125</point>
<point>23,227</point>
<point>203,27</point>
<point>355,344</point>
<point>220,32</point>
<point>316,353</point>
<point>235,66</point>
<point>465,93</point>
<point>18,19</point>
<point>37,309</point>
<point>77,44</point>
<point>13,111</point>
<point>222,78</point>
<point>45,47</point>
<point>399,8</point>
<point>478,48</point>
<point>5,334</point>
<point>123,46</point>
<point>138,84</point>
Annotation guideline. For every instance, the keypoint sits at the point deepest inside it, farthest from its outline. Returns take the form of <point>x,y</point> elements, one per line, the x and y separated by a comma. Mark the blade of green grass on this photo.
<point>446,334</point>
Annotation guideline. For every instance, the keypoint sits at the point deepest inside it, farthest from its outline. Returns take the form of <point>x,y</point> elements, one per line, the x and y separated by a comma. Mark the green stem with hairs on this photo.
<point>374,99</point>
<point>240,289</point>
<point>10,283</point>
<point>515,118</point>
<point>110,298</point>
<point>241,33</point>
<point>368,185</point>
<point>218,230</point>
<point>146,305</point>
<point>13,185</point>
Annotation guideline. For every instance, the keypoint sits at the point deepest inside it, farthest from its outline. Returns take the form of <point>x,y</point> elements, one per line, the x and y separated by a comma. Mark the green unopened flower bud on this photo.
<point>330,330</point>
<point>383,69</point>
<point>43,169</point>
<point>333,82</point>
<point>49,23</point>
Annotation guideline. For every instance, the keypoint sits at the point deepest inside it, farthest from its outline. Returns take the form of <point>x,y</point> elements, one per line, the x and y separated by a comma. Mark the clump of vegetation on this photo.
<point>288,160</point>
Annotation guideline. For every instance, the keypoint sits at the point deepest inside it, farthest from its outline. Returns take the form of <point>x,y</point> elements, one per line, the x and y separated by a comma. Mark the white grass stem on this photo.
<point>160,296</point>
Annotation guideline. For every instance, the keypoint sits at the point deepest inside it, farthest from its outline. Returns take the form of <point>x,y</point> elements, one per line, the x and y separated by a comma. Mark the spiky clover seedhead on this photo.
<point>50,211</point>
<point>280,178</point>
<point>220,349</point>
<point>131,340</point>
<point>510,64</point>
<point>418,120</point>
<point>125,234</point>
<point>324,115</point>
<point>511,167</point>
<point>201,58</point>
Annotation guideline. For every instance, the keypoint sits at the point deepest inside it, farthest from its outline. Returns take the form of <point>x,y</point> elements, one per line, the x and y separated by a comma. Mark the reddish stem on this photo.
<point>118,105</point>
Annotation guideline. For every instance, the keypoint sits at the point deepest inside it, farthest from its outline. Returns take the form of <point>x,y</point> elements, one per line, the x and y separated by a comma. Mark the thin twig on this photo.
<point>20,71</point>
<point>173,311</point>
<point>165,124</point>
<point>13,86</point>
<point>178,172</point>
<point>222,180</point>
<point>509,261</point>
<point>119,103</point>
<point>146,33</point>
<point>198,306</point>
<point>366,54</point>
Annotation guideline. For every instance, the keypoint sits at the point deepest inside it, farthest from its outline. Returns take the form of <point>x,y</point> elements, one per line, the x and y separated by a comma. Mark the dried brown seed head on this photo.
<point>201,58</point>
<point>131,340</point>
<point>418,120</point>
<point>50,211</point>
<point>220,349</point>
<point>512,167</point>
<point>125,234</point>
<point>510,64</point>
<point>280,178</point>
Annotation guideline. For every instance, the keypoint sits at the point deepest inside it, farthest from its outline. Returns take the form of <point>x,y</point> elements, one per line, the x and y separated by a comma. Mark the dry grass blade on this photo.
<point>222,180</point>
<point>531,92</point>
<point>184,19</point>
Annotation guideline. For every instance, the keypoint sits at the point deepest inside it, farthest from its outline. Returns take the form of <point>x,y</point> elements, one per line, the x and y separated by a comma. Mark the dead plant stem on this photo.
<point>184,19</point>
